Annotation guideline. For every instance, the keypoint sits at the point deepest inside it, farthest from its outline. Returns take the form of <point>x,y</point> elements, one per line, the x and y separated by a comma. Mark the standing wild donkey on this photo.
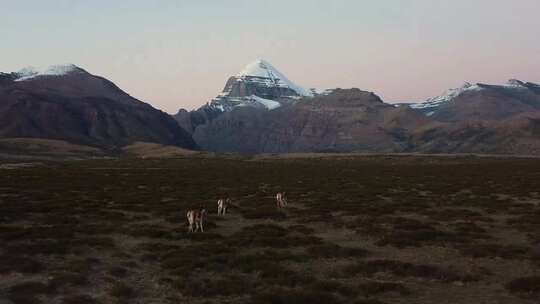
<point>223,205</point>
<point>281,200</point>
<point>196,219</point>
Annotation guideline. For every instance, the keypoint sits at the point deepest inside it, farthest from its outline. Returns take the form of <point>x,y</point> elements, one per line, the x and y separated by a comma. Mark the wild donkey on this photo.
<point>281,200</point>
<point>196,219</point>
<point>223,205</point>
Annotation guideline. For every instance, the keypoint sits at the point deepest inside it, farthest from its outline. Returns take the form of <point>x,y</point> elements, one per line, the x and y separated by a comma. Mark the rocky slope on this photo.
<point>482,118</point>
<point>68,103</point>
<point>262,111</point>
<point>343,120</point>
<point>483,102</point>
<point>259,85</point>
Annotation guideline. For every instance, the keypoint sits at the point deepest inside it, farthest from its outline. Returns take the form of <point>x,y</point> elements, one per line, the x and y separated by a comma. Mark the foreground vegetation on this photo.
<point>357,230</point>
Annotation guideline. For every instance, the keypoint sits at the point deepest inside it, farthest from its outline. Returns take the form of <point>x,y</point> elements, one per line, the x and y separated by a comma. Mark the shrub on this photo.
<point>336,251</point>
<point>68,279</point>
<point>368,301</point>
<point>118,272</point>
<point>28,292</point>
<point>301,229</point>
<point>398,268</point>
<point>266,212</point>
<point>293,296</point>
<point>78,299</point>
<point>375,288</point>
<point>333,286</point>
<point>19,264</point>
<point>525,285</point>
<point>494,250</point>
<point>122,291</point>
<point>417,238</point>
<point>229,285</point>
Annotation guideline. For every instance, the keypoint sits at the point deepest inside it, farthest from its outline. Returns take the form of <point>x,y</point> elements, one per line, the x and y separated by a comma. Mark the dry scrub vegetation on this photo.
<point>369,229</point>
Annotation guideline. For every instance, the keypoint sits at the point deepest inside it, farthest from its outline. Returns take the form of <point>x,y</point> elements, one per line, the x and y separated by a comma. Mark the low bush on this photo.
<point>494,251</point>
<point>336,251</point>
<point>78,299</point>
<point>28,292</point>
<point>526,285</point>
<point>229,285</point>
<point>375,288</point>
<point>294,296</point>
<point>369,268</point>
<point>122,291</point>
<point>19,264</point>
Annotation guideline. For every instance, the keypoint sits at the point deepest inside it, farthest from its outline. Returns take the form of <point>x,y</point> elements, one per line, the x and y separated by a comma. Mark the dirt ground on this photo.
<point>357,229</point>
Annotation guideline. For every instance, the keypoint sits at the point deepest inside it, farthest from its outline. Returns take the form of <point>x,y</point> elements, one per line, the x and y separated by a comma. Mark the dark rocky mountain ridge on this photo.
<point>261,111</point>
<point>68,103</point>
<point>342,121</point>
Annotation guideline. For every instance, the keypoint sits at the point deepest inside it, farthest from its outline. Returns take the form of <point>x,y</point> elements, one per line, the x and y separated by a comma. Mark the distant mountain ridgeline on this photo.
<point>476,118</point>
<point>261,111</point>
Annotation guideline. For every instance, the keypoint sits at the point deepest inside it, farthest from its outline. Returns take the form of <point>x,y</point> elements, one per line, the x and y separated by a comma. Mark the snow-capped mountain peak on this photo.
<point>259,68</point>
<point>53,70</point>
<point>267,72</point>
<point>258,85</point>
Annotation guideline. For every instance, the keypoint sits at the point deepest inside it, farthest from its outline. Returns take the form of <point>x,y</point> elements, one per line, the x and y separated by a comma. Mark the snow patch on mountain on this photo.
<point>515,83</point>
<point>430,106</point>
<point>448,96</point>
<point>267,103</point>
<point>54,70</point>
<point>246,101</point>
<point>263,72</point>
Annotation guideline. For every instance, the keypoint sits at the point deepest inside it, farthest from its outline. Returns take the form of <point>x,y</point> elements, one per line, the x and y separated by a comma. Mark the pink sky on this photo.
<point>179,54</point>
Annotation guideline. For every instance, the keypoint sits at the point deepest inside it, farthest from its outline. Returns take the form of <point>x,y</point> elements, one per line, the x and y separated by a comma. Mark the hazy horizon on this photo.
<point>179,54</point>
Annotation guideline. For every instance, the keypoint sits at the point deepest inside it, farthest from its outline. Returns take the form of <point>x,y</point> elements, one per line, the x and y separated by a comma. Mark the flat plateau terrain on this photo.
<point>358,229</point>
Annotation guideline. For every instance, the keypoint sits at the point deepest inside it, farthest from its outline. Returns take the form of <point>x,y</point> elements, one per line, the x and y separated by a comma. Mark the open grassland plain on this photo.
<point>357,229</point>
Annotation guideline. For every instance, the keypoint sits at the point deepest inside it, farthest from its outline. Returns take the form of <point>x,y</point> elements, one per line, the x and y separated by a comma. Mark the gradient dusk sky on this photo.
<point>176,54</point>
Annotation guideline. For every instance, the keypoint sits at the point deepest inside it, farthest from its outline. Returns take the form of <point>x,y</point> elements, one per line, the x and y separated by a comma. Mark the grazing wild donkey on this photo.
<point>281,200</point>
<point>196,219</point>
<point>223,205</point>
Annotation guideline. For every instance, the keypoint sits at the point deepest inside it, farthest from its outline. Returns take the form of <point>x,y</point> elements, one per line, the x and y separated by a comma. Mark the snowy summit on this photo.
<point>258,85</point>
<point>54,70</point>
<point>264,70</point>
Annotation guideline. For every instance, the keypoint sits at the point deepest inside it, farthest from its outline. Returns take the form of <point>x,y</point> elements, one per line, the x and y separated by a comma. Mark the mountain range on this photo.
<point>65,102</point>
<point>477,118</point>
<point>261,111</point>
